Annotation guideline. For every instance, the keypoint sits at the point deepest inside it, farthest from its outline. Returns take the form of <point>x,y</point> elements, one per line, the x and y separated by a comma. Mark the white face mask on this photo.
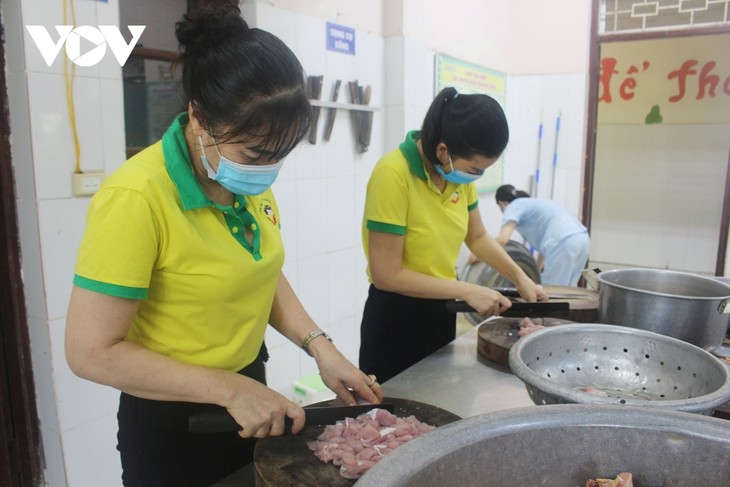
<point>241,179</point>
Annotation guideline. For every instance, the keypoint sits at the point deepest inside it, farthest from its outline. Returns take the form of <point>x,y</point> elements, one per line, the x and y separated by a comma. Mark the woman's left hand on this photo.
<point>352,385</point>
<point>531,291</point>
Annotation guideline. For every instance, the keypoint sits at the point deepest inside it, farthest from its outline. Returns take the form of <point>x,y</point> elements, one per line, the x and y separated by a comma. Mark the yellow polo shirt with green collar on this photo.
<point>402,200</point>
<point>152,235</point>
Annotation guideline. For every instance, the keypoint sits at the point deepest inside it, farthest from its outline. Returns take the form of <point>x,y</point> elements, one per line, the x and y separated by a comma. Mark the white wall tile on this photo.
<point>282,369</point>
<point>61,224</point>
<point>309,47</point>
<point>112,124</point>
<point>312,225</point>
<point>341,284</point>
<point>91,456</point>
<point>79,401</point>
<point>345,334</point>
<point>313,287</point>
<point>338,213</point>
<point>52,135</point>
<point>286,198</point>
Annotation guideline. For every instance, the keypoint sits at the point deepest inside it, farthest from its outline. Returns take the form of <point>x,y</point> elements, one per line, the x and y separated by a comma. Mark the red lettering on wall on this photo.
<point>627,88</point>
<point>707,79</point>
<point>681,75</point>
<point>608,66</point>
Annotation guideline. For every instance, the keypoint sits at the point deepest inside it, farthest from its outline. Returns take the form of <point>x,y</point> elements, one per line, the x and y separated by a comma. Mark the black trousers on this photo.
<point>397,331</point>
<point>157,450</point>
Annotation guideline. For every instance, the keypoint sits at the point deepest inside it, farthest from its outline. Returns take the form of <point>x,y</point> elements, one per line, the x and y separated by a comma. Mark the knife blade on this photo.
<point>219,421</point>
<point>517,309</point>
<point>511,292</point>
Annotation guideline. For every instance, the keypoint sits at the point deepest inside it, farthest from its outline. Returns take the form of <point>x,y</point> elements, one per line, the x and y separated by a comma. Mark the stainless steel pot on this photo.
<point>686,306</point>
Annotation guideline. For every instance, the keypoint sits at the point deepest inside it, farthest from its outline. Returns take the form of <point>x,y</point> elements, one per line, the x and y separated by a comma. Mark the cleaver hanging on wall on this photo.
<point>331,112</point>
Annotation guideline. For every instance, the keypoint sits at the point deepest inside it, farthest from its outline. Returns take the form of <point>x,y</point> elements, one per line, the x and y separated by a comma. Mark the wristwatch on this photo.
<point>311,336</point>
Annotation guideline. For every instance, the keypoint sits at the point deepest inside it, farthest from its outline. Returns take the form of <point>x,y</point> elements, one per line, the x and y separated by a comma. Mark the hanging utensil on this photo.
<point>315,87</point>
<point>332,112</point>
<point>367,121</point>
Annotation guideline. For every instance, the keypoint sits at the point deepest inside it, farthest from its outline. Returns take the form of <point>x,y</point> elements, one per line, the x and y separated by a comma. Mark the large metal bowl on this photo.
<point>563,445</point>
<point>633,367</point>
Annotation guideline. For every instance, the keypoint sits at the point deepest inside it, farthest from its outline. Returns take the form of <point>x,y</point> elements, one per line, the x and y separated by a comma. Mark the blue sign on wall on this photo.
<point>340,38</point>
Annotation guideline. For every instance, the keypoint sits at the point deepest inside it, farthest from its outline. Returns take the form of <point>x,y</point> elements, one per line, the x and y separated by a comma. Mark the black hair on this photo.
<point>243,83</point>
<point>508,193</point>
<point>469,125</point>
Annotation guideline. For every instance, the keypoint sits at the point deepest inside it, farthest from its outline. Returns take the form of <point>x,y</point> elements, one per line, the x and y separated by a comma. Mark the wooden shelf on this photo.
<point>344,106</point>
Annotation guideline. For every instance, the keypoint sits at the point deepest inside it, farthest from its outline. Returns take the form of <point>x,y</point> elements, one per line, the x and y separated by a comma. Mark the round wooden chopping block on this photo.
<point>285,461</point>
<point>496,336</point>
<point>583,307</point>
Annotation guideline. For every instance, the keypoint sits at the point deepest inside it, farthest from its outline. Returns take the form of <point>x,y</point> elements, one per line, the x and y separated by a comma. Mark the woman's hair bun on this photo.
<point>208,26</point>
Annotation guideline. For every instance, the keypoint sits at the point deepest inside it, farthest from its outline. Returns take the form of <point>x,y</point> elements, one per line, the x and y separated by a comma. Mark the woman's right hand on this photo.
<point>486,301</point>
<point>260,411</point>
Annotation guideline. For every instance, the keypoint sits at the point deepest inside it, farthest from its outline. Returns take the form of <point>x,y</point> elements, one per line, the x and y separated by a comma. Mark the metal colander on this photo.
<point>630,366</point>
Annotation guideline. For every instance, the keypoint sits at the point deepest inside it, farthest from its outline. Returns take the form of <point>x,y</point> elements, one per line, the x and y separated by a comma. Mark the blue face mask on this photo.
<point>456,176</point>
<point>240,178</point>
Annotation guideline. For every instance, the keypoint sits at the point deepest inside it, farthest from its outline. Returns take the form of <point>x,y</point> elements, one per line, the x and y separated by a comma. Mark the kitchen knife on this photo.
<point>315,94</point>
<point>219,421</point>
<point>511,292</point>
<point>332,112</point>
<point>517,309</point>
<point>367,121</point>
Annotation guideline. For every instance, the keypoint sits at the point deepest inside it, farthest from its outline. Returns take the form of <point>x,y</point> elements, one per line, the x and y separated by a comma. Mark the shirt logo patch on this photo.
<point>455,197</point>
<point>267,209</point>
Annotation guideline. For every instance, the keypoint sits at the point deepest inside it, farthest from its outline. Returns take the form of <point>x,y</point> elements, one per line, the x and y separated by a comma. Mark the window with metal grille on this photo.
<point>620,16</point>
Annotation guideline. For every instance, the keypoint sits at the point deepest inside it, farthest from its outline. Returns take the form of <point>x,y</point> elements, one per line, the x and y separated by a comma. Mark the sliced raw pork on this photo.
<point>528,326</point>
<point>355,445</point>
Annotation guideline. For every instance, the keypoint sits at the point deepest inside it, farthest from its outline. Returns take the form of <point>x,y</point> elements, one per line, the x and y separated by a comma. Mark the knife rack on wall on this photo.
<point>361,113</point>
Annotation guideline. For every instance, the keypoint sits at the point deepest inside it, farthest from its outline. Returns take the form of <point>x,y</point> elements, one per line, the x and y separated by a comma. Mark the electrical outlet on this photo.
<point>87,183</point>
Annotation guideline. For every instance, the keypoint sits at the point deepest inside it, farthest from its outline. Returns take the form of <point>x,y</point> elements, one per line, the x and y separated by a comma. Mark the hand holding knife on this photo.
<point>219,421</point>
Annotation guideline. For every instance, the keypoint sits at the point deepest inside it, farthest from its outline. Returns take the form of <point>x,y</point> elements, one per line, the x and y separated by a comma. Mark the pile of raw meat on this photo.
<point>528,326</point>
<point>355,445</point>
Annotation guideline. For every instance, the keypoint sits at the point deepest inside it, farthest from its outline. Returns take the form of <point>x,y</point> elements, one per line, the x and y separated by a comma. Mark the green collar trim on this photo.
<point>179,167</point>
<point>410,150</point>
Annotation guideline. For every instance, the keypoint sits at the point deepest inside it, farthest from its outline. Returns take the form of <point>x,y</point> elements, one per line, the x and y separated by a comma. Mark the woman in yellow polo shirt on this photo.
<point>421,206</point>
<point>180,267</point>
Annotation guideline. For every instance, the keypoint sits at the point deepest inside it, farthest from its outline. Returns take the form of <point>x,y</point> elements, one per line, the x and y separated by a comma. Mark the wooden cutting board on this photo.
<point>496,337</point>
<point>285,461</point>
<point>583,309</point>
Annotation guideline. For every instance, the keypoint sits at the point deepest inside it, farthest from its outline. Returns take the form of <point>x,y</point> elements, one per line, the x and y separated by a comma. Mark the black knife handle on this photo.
<point>212,422</point>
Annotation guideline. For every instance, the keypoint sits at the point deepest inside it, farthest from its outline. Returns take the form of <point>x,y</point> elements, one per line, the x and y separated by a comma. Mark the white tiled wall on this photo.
<point>321,194</point>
